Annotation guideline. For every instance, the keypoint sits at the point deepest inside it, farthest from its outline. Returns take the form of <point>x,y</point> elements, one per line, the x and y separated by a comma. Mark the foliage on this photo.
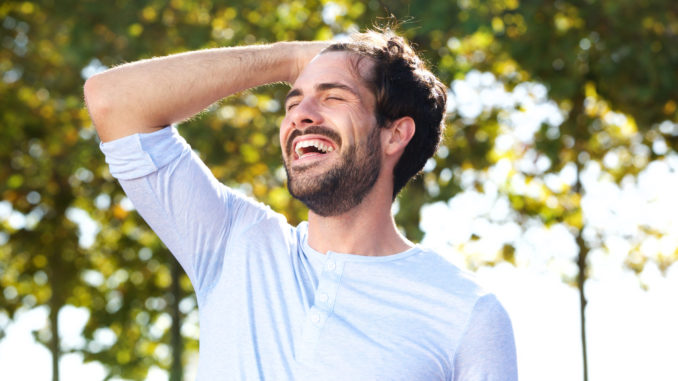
<point>609,66</point>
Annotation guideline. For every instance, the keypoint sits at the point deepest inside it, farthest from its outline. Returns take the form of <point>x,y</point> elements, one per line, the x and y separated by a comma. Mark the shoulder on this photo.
<point>258,220</point>
<point>485,347</point>
<point>438,272</point>
<point>441,286</point>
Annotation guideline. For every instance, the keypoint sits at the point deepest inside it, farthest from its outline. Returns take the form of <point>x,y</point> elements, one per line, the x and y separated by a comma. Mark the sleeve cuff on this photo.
<point>139,155</point>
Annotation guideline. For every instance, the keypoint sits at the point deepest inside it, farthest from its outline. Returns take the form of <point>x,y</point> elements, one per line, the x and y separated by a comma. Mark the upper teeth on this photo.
<point>314,143</point>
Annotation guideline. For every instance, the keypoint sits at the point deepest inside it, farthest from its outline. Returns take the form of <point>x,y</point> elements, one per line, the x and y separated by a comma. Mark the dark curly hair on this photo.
<point>402,86</point>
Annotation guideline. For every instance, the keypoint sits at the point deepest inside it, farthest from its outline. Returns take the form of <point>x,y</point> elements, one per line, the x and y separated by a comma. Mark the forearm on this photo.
<point>149,94</point>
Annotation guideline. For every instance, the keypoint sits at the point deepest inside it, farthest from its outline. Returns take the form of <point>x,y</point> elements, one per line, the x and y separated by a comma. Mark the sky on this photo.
<point>632,330</point>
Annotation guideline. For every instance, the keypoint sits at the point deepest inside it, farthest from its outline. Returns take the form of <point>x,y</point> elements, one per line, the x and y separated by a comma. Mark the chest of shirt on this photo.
<point>315,315</point>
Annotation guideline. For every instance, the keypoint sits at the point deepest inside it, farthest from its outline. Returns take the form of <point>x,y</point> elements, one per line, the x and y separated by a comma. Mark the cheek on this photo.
<point>284,132</point>
<point>363,124</point>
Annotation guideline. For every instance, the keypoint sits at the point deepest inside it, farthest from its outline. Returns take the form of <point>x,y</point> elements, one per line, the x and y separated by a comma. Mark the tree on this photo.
<point>596,58</point>
<point>56,175</point>
<point>608,65</point>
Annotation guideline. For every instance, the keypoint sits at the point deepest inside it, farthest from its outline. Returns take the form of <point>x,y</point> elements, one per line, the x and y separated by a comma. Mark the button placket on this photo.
<point>323,297</point>
<point>317,317</point>
<point>322,308</point>
<point>329,284</point>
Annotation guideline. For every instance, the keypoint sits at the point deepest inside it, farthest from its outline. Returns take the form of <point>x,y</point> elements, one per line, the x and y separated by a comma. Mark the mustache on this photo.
<point>312,130</point>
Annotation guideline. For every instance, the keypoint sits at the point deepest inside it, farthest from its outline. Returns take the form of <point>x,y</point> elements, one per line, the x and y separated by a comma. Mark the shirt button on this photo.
<point>323,298</point>
<point>315,317</point>
<point>331,265</point>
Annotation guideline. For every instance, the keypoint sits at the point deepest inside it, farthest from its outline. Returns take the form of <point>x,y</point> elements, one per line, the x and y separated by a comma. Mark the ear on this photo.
<point>396,137</point>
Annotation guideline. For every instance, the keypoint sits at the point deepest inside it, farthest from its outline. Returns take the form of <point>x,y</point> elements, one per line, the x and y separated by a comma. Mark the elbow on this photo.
<point>95,98</point>
<point>98,102</point>
<point>113,112</point>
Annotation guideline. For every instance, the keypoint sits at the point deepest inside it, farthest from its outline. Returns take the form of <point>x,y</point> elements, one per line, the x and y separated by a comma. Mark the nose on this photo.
<point>306,114</point>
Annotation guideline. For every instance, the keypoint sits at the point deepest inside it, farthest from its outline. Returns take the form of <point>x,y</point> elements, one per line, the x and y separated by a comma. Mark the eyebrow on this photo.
<point>335,85</point>
<point>292,93</point>
<point>322,87</point>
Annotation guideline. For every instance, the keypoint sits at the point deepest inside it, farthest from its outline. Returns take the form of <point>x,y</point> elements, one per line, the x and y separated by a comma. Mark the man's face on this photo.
<point>330,138</point>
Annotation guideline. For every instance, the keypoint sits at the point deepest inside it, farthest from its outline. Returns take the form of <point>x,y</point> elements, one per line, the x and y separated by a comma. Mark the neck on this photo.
<point>367,229</point>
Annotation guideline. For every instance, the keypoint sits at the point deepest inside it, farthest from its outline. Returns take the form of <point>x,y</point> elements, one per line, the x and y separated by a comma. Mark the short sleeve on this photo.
<point>178,196</point>
<point>141,154</point>
<point>487,350</point>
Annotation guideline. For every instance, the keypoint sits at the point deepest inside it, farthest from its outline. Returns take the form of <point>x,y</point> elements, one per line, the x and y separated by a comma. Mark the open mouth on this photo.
<point>312,147</point>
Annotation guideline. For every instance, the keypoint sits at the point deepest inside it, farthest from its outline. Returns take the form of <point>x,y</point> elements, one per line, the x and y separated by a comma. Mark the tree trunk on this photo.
<point>56,301</point>
<point>55,341</point>
<point>581,277</point>
<point>581,280</point>
<point>578,124</point>
<point>177,368</point>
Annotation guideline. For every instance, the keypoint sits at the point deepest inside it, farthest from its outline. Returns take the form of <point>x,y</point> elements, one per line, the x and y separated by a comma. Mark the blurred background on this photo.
<point>556,183</point>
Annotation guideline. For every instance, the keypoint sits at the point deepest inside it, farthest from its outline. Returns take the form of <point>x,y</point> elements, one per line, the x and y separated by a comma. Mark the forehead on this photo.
<point>342,67</point>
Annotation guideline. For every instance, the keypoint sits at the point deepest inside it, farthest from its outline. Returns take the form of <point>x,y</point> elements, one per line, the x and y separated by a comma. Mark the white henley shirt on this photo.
<point>273,308</point>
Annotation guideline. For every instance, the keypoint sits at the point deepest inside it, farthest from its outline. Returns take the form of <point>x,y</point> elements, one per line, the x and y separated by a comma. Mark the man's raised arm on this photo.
<point>147,95</point>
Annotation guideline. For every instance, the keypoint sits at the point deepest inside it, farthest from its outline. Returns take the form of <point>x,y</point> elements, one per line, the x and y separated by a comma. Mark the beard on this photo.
<point>342,187</point>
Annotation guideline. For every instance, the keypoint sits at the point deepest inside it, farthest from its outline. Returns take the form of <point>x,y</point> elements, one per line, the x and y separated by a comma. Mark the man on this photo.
<point>344,296</point>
